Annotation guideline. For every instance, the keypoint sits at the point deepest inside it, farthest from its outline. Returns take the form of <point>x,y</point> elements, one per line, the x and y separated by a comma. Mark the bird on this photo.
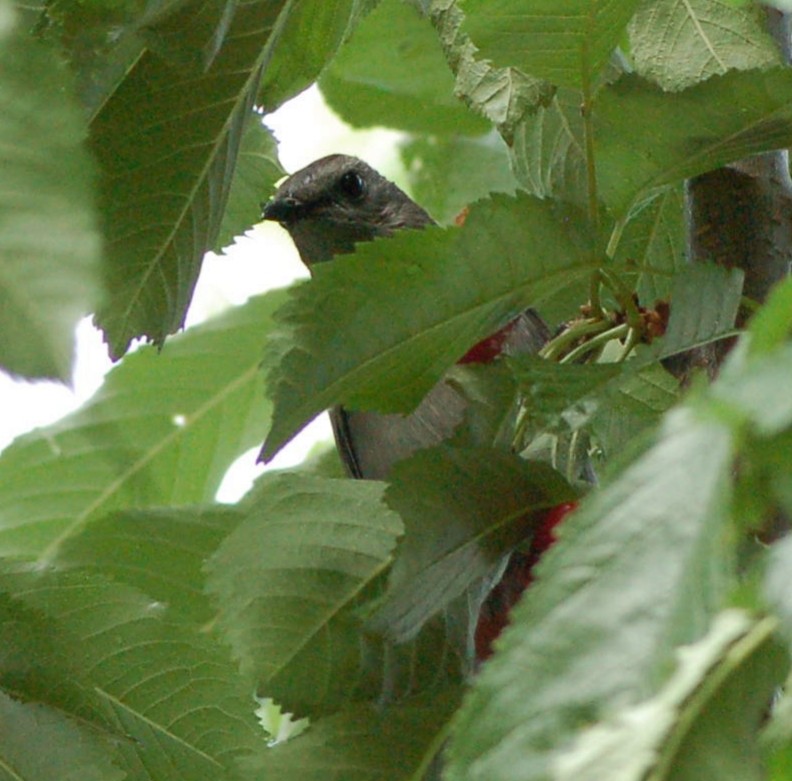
<point>330,206</point>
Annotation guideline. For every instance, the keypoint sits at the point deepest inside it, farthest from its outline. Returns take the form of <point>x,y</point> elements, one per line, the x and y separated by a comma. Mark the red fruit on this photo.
<point>543,536</point>
<point>487,350</point>
<point>494,614</point>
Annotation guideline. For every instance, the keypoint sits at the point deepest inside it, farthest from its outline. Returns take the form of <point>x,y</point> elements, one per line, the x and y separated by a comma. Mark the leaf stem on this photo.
<point>553,349</point>
<point>616,332</point>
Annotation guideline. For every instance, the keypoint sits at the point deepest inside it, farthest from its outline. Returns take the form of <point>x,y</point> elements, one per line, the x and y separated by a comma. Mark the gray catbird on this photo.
<point>329,206</point>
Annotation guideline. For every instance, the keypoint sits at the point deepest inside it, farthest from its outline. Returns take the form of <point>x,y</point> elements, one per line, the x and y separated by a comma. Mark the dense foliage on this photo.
<point>139,618</point>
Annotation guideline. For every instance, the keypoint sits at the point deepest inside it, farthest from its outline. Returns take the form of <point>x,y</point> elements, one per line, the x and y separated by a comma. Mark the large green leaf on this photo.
<point>439,291</point>
<point>169,693</point>
<point>639,568</point>
<point>37,742</point>
<point>163,429</point>
<point>50,272</point>
<point>167,141</point>
<point>671,137</point>
<point>463,510</point>
<point>406,84</point>
<point>566,42</point>
<point>288,581</point>
<point>677,43</point>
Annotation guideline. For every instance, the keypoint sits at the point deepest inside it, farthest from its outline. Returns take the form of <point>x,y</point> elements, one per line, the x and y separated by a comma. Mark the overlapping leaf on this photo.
<point>566,42</point>
<point>696,320</point>
<point>548,150</point>
<point>671,137</point>
<point>639,568</point>
<point>463,509</point>
<point>653,243</point>
<point>50,274</point>
<point>438,291</point>
<point>288,581</point>
<point>160,551</point>
<point>169,694</point>
<point>503,95</point>
<point>704,722</point>
<point>162,430</point>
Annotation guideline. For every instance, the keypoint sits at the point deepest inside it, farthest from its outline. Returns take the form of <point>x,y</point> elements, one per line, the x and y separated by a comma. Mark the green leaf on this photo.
<point>288,582</point>
<point>772,324</point>
<point>310,34</point>
<point>101,42</point>
<point>548,153</point>
<point>448,173</point>
<point>362,743</point>
<point>170,693</point>
<point>697,319</point>
<point>463,509</point>
<point>677,44</point>
<point>160,551</point>
<point>550,389</point>
<point>406,84</point>
<point>654,243</point>
<point>37,742</point>
<point>567,42</point>
<point>162,429</point>
<point>439,291</point>
<point>49,243</point>
<point>209,22</point>
<point>702,724</point>
<point>671,137</point>
<point>757,391</point>
<point>167,141</point>
<point>630,404</point>
<point>257,170</point>
<point>503,95</point>
<point>639,568</point>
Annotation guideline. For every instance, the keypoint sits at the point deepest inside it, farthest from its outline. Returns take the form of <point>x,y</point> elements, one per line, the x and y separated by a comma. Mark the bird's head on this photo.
<point>337,201</point>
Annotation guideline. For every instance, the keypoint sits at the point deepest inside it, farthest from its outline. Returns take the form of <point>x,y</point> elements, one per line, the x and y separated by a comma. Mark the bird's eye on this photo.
<point>352,185</point>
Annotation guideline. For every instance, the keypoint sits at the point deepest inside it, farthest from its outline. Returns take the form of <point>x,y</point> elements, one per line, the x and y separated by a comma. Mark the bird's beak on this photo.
<point>280,209</point>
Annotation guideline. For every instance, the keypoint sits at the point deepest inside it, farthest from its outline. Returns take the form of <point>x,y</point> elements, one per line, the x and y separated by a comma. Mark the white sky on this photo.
<point>263,259</point>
